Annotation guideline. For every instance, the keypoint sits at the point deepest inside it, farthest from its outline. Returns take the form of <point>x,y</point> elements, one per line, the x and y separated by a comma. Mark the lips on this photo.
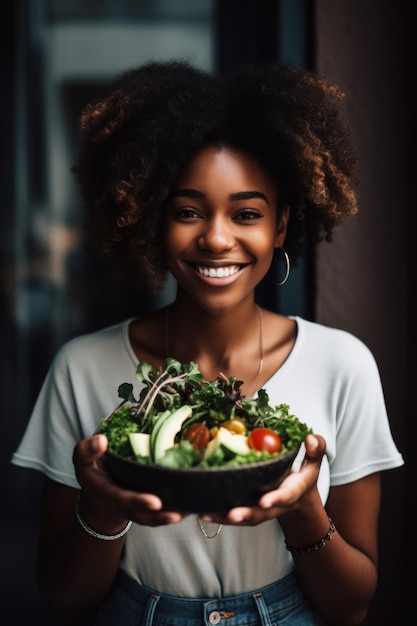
<point>218,272</point>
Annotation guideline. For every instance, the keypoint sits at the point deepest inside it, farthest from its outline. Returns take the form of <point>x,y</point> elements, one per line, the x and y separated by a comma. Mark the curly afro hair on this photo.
<point>138,138</point>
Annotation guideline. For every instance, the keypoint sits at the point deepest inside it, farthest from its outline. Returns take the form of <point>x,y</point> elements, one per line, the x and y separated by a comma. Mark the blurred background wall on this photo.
<point>56,55</point>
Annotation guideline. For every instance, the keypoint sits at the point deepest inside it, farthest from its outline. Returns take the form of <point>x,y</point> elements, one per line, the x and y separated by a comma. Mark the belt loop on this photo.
<point>150,609</point>
<point>262,609</point>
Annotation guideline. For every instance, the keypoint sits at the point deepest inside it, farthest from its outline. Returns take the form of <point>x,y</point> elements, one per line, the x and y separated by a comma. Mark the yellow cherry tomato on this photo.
<point>235,425</point>
<point>213,431</point>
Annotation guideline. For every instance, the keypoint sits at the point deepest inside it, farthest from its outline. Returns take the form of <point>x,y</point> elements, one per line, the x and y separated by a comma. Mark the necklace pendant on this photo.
<point>203,530</point>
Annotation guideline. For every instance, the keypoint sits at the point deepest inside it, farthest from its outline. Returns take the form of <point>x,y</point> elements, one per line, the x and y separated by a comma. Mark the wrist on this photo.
<point>306,524</point>
<point>317,545</point>
<point>98,517</point>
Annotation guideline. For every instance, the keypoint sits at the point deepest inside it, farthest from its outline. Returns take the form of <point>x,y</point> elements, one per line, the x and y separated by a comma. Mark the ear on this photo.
<point>284,216</point>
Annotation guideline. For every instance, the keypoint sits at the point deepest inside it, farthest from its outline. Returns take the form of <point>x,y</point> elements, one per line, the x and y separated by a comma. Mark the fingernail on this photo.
<point>315,443</point>
<point>95,443</point>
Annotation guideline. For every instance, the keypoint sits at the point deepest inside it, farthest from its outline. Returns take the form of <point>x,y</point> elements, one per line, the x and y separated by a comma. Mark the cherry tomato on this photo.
<point>213,431</point>
<point>235,425</point>
<point>198,435</point>
<point>264,439</point>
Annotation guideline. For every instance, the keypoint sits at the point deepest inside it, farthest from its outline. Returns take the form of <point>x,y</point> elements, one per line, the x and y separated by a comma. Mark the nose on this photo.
<point>217,235</point>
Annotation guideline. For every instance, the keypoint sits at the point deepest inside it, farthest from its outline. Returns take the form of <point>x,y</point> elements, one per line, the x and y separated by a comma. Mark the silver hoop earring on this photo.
<point>287,270</point>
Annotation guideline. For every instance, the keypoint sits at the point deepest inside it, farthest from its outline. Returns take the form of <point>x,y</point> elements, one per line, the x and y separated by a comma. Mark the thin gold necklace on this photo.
<point>258,373</point>
<point>203,530</point>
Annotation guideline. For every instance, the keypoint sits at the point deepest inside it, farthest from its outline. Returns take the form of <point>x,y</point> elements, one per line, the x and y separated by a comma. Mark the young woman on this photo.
<point>183,173</point>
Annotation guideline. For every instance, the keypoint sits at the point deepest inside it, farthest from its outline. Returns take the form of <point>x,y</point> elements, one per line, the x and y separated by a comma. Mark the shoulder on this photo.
<point>94,346</point>
<point>315,332</point>
<point>333,345</point>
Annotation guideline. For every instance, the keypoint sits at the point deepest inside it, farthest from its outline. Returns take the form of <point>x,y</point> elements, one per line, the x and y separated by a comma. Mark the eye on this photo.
<point>248,215</point>
<point>185,213</point>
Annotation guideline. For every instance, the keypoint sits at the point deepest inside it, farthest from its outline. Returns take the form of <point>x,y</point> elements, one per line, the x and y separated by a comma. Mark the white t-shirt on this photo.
<point>330,381</point>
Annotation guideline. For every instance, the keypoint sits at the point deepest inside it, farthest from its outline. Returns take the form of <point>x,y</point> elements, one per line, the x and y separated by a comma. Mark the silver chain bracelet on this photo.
<point>93,533</point>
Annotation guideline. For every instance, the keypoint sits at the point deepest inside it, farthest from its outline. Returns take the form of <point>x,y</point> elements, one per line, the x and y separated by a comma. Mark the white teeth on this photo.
<point>218,272</point>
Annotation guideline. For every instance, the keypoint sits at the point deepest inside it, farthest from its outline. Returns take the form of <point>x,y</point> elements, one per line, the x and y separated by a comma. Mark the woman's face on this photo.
<point>221,227</point>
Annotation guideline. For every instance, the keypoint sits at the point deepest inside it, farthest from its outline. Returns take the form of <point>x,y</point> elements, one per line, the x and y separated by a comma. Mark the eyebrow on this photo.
<point>248,195</point>
<point>233,197</point>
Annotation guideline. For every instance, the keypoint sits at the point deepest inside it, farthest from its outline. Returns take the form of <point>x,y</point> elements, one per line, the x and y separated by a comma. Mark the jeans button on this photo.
<point>214,617</point>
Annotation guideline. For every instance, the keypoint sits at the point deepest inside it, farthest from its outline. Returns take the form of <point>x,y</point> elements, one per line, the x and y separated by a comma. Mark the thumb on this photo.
<point>90,449</point>
<point>315,446</point>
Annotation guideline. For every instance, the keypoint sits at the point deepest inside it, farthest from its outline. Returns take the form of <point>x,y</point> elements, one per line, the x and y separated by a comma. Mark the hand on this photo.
<point>289,496</point>
<point>107,502</point>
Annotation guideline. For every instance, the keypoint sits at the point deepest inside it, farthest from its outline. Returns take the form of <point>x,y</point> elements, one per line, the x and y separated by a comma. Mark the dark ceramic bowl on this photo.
<point>201,490</point>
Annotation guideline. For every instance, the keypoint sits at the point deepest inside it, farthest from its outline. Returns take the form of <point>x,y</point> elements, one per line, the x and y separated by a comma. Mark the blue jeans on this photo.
<point>280,604</point>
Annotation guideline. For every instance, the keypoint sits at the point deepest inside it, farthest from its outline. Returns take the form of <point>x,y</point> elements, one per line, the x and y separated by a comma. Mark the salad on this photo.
<point>181,420</point>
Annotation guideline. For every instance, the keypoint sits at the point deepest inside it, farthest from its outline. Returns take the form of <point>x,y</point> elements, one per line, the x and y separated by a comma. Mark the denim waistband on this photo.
<point>267,606</point>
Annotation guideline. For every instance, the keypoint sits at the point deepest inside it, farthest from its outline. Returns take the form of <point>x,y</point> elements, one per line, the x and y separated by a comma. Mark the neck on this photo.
<point>229,342</point>
<point>198,329</point>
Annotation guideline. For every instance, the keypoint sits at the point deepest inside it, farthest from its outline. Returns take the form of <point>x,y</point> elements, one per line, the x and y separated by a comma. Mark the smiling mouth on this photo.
<point>218,272</point>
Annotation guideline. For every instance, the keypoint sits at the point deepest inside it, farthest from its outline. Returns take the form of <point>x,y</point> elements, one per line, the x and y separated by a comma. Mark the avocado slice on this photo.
<point>236,444</point>
<point>141,443</point>
<point>165,436</point>
<point>160,419</point>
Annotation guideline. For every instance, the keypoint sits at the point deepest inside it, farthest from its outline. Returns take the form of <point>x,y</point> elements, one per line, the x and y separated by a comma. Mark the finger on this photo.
<point>96,481</point>
<point>315,446</point>
<point>149,518</point>
<point>298,482</point>
<point>90,449</point>
<point>242,516</point>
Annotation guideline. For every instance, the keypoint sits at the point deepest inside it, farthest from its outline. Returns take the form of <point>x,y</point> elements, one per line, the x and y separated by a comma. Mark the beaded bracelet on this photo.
<point>316,546</point>
<point>93,533</point>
